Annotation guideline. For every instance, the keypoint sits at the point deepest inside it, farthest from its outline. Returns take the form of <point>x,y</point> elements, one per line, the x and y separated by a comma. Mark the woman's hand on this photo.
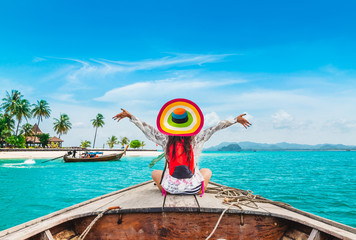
<point>240,119</point>
<point>122,115</point>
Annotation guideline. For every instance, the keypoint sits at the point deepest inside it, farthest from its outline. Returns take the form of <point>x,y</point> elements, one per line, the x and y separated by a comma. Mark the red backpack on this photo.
<point>179,166</point>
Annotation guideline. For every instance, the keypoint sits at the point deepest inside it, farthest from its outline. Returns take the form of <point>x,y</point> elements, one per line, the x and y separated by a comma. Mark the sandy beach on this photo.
<point>53,154</point>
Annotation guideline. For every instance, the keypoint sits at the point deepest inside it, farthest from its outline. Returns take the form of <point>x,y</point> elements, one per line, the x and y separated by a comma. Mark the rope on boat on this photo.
<point>86,231</point>
<point>217,224</point>
<point>234,197</point>
<point>89,227</point>
<point>238,197</point>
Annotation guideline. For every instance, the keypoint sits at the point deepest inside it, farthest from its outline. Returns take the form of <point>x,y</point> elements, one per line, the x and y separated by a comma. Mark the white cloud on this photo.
<point>159,88</point>
<point>282,119</point>
<point>66,97</point>
<point>103,67</point>
<point>339,125</point>
<point>211,119</point>
<point>79,125</point>
<point>181,59</point>
<point>38,59</point>
<point>7,84</point>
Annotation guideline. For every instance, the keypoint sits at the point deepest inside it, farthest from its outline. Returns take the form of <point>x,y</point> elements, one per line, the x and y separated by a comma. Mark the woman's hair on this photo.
<point>186,141</point>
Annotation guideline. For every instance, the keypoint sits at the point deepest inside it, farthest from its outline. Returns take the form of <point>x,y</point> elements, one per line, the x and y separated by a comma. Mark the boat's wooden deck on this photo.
<point>146,197</point>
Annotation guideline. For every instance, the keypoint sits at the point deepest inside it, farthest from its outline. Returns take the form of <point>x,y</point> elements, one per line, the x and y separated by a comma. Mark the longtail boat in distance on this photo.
<point>141,212</point>
<point>93,156</point>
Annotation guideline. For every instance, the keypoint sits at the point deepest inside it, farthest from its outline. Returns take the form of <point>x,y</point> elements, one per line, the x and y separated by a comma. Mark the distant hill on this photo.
<point>217,147</point>
<point>246,146</point>
<point>234,147</point>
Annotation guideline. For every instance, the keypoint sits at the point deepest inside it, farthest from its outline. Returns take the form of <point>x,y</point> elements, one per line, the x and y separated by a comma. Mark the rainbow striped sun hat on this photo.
<point>180,117</point>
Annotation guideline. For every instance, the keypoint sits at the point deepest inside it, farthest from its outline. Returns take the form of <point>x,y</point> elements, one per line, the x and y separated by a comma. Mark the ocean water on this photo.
<point>323,183</point>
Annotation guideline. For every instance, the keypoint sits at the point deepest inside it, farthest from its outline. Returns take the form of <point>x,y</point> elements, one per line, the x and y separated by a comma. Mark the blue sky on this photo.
<point>290,66</point>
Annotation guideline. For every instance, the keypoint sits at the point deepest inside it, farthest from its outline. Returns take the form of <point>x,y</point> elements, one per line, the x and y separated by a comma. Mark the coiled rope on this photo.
<point>234,197</point>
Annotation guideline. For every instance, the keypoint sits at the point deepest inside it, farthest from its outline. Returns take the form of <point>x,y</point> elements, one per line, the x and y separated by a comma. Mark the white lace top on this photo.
<point>198,141</point>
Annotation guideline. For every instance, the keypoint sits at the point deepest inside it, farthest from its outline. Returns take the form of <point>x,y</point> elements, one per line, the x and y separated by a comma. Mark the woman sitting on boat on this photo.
<point>179,123</point>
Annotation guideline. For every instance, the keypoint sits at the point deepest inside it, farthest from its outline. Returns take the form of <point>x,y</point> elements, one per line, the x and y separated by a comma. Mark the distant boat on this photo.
<point>94,157</point>
<point>141,212</point>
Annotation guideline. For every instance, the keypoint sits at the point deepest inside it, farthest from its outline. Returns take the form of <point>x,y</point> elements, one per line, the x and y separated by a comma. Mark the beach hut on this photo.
<point>56,140</point>
<point>34,140</point>
<point>36,130</point>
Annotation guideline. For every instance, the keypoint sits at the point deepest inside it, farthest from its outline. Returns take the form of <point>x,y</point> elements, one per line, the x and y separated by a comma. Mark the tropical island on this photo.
<point>15,135</point>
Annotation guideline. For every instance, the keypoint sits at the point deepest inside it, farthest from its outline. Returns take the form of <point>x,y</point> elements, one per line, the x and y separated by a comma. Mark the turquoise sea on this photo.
<point>323,183</point>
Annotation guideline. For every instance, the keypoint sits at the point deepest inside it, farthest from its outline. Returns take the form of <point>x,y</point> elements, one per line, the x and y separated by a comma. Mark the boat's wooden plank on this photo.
<point>317,223</point>
<point>146,197</point>
<point>180,203</point>
<point>314,235</point>
<point>174,226</point>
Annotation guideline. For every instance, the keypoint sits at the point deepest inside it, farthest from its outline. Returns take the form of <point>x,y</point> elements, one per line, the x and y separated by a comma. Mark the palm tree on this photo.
<point>10,102</point>
<point>62,125</point>
<point>112,141</point>
<point>27,130</point>
<point>6,125</point>
<point>124,141</point>
<point>85,144</point>
<point>41,110</point>
<point>22,110</point>
<point>5,133</point>
<point>97,122</point>
<point>6,122</point>
<point>143,144</point>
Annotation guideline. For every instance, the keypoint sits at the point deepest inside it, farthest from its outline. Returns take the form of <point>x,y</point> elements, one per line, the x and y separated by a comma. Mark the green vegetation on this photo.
<point>53,145</point>
<point>124,141</point>
<point>6,126</point>
<point>143,144</point>
<point>41,110</point>
<point>16,141</point>
<point>22,110</point>
<point>98,121</point>
<point>112,141</point>
<point>85,144</point>
<point>26,130</point>
<point>15,105</point>
<point>44,137</point>
<point>135,144</point>
<point>15,108</point>
<point>10,102</point>
<point>62,125</point>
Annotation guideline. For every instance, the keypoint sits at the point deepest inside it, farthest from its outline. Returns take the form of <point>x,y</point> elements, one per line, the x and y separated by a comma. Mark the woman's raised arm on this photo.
<point>150,132</point>
<point>205,135</point>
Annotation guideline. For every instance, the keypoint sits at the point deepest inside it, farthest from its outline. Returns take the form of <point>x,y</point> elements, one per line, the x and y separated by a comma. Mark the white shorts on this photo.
<point>174,185</point>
